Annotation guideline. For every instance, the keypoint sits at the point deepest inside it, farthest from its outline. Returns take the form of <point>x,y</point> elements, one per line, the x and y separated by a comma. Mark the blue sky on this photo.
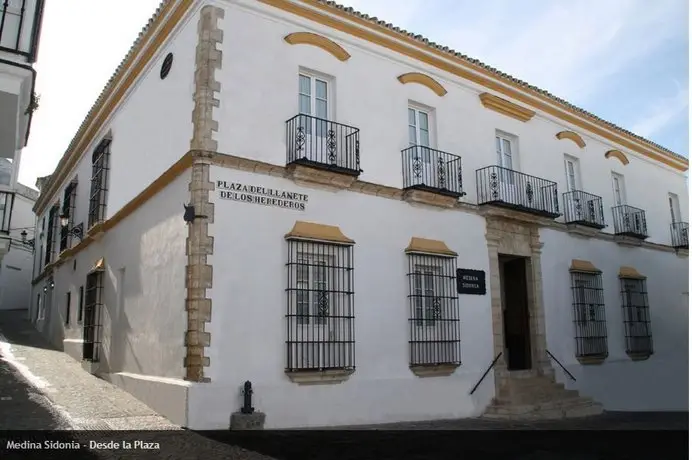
<point>623,60</point>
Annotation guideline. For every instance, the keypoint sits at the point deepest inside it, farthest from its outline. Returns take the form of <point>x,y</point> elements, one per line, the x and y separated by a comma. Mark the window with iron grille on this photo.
<point>590,329</point>
<point>320,314</point>
<point>68,304</point>
<point>635,304</point>
<point>51,233</point>
<point>92,316</point>
<point>433,311</point>
<point>80,304</point>
<point>68,207</point>
<point>99,182</point>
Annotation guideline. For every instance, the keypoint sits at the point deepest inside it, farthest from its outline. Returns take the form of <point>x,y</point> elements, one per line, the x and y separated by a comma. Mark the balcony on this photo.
<point>432,171</point>
<point>323,144</point>
<point>680,235</point>
<point>20,27</point>
<point>630,222</point>
<point>502,187</point>
<point>6,205</point>
<point>583,208</point>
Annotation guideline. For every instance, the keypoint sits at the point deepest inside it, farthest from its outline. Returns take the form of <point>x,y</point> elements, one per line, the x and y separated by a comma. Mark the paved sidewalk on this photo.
<point>71,398</point>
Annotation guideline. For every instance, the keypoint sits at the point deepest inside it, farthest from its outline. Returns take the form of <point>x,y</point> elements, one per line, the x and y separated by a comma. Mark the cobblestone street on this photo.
<point>45,389</point>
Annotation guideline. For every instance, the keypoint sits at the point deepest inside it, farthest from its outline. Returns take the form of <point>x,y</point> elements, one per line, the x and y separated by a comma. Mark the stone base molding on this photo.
<point>590,360</point>
<point>306,175</point>
<point>320,377</point>
<point>441,370</point>
<point>429,198</point>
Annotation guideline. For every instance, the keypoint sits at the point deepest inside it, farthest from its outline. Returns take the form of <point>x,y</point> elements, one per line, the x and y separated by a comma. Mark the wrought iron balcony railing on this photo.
<point>630,221</point>
<point>323,144</point>
<point>504,187</point>
<point>432,170</point>
<point>583,209</point>
<point>20,26</point>
<point>6,205</point>
<point>680,233</point>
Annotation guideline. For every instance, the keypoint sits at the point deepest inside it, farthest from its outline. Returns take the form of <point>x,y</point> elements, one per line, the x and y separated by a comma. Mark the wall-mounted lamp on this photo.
<point>52,284</point>
<point>76,231</point>
<point>190,216</point>
<point>45,289</point>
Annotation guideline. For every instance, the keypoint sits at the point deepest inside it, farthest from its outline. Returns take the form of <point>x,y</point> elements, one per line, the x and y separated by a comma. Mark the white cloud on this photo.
<point>662,112</point>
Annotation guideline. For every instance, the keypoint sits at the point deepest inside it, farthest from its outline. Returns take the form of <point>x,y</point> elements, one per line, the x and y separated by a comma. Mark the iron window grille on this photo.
<point>591,334</point>
<point>80,304</point>
<point>433,311</point>
<point>14,21</point>
<point>6,207</point>
<point>51,234</point>
<point>635,305</point>
<point>68,209</point>
<point>68,304</point>
<point>92,316</point>
<point>100,162</point>
<point>320,315</point>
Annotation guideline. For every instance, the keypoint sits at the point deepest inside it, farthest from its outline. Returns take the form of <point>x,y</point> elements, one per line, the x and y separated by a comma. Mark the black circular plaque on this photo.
<point>166,66</point>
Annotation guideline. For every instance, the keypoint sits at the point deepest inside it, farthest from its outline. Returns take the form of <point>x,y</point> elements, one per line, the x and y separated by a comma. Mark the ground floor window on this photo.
<point>434,326</point>
<point>320,314</point>
<point>92,316</point>
<point>635,305</point>
<point>590,331</point>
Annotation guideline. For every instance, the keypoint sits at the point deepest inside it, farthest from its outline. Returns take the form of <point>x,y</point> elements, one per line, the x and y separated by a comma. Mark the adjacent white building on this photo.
<point>367,226</point>
<point>20,28</point>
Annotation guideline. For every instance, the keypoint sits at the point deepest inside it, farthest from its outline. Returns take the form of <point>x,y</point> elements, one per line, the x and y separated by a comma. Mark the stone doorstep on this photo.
<point>537,399</point>
<point>564,403</point>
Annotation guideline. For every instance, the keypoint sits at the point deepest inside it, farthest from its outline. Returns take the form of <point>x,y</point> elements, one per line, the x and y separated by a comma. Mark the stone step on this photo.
<point>580,408</point>
<point>536,398</point>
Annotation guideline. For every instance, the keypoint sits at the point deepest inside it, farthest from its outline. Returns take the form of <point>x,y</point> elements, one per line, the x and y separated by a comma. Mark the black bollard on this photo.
<point>247,399</point>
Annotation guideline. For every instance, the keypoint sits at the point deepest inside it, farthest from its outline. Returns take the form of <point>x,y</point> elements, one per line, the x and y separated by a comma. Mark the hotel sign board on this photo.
<point>470,281</point>
<point>255,194</point>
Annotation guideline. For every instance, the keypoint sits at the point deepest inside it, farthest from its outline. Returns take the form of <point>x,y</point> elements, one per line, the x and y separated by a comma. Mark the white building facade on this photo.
<point>376,229</point>
<point>20,28</point>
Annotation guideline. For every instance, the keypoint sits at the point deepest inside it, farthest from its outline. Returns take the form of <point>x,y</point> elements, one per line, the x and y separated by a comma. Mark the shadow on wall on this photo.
<point>140,319</point>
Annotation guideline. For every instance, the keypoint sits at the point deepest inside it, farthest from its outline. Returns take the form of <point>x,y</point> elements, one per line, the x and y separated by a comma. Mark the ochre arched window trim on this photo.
<point>309,38</point>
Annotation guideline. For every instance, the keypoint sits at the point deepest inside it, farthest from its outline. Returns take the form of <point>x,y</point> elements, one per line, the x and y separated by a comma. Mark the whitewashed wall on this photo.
<point>659,383</point>
<point>249,305</point>
<point>260,77</point>
<point>151,128</point>
<point>144,318</point>
<point>15,272</point>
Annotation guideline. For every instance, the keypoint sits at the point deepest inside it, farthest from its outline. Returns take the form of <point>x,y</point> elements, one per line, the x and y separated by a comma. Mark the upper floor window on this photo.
<point>68,207</point>
<point>505,151</point>
<point>51,233</point>
<point>418,127</point>
<point>619,189</point>
<point>99,182</point>
<point>674,205</point>
<point>313,98</point>
<point>572,173</point>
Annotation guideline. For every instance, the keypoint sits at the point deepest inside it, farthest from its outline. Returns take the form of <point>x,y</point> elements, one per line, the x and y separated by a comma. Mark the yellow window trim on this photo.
<point>318,232</point>
<point>425,246</point>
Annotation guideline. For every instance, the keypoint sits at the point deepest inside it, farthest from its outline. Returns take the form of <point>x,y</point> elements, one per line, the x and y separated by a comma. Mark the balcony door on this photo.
<point>509,190</point>
<point>422,161</point>
<point>322,141</point>
<point>619,190</point>
<point>578,208</point>
<point>674,205</point>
